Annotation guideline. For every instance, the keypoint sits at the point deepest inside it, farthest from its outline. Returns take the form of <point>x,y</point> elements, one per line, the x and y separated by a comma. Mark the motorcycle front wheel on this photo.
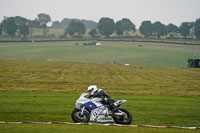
<point>78,118</point>
<point>126,118</point>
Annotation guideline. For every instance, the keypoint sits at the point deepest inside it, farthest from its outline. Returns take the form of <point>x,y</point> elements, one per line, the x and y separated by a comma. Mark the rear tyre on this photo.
<point>78,118</point>
<point>126,118</point>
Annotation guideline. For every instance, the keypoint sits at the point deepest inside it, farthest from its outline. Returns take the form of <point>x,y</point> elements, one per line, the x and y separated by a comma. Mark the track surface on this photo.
<point>69,123</point>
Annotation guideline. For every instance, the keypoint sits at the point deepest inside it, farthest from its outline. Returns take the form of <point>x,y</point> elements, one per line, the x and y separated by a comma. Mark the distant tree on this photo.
<point>13,24</point>
<point>80,28</point>
<point>20,21</point>
<point>70,30</point>
<point>45,29</point>
<point>10,26</point>
<point>24,30</point>
<point>146,28</point>
<point>124,25</point>
<point>43,26</point>
<point>33,24</point>
<point>172,30</point>
<point>127,26</point>
<point>197,28</point>
<point>75,27</point>
<point>56,25</point>
<point>119,28</point>
<point>184,29</point>
<point>22,24</point>
<point>43,20</point>
<point>1,29</point>
<point>159,29</point>
<point>93,32</point>
<point>191,24</point>
<point>88,23</point>
<point>106,26</point>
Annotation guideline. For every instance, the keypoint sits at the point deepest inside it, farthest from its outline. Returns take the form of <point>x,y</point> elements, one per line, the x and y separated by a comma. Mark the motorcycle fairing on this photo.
<point>90,105</point>
<point>99,116</point>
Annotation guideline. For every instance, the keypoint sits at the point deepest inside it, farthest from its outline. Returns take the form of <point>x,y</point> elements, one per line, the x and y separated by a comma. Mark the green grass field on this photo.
<point>122,52</point>
<point>146,109</point>
<point>28,128</point>
<point>41,82</point>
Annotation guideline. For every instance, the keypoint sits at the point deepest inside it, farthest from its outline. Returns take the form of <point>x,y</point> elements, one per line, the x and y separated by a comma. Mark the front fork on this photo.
<point>83,109</point>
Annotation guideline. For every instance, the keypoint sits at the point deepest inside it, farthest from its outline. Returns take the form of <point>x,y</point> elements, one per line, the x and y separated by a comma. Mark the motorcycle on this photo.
<point>95,110</point>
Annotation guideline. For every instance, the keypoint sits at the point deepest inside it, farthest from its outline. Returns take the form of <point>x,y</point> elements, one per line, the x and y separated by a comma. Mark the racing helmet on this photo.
<point>92,89</point>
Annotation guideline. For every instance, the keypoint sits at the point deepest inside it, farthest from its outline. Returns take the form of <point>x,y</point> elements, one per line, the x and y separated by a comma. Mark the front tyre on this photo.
<point>126,118</point>
<point>78,118</point>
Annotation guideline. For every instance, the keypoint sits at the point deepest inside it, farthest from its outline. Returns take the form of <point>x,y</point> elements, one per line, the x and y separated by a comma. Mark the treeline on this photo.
<point>20,26</point>
<point>66,21</point>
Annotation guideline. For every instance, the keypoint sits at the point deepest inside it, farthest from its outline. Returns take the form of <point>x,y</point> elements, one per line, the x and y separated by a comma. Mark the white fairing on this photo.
<point>81,100</point>
<point>99,112</point>
<point>101,115</point>
<point>119,102</point>
<point>97,101</point>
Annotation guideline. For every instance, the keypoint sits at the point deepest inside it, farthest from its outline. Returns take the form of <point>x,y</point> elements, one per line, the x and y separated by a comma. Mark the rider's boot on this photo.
<point>114,109</point>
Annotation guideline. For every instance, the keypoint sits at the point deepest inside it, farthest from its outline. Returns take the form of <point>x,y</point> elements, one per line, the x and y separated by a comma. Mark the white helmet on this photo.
<point>92,89</point>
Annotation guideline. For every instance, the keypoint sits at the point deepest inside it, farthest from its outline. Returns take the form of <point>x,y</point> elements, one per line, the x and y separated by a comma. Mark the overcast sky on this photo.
<point>165,11</point>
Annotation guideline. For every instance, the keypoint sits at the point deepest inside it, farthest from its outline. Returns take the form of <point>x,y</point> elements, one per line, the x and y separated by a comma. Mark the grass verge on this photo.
<point>29,128</point>
<point>146,110</point>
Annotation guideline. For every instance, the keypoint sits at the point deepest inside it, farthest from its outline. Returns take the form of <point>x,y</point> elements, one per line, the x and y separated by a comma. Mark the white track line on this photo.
<point>70,123</point>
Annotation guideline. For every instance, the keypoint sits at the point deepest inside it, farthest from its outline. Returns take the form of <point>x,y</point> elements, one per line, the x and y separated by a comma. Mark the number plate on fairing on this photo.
<point>104,119</point>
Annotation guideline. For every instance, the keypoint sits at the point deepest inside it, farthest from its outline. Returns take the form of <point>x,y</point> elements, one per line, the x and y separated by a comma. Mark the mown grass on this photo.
<point>28,128</point>
<point>146,109</point>
<point>75,77</point>
<point>121,52</point>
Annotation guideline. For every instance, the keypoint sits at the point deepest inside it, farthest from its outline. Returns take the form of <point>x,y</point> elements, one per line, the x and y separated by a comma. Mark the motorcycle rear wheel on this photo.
<point>77,118</point>
<point>125,119</point>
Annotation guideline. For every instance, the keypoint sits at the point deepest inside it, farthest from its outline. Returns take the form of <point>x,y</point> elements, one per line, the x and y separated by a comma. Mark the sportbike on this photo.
<point>96,111</point>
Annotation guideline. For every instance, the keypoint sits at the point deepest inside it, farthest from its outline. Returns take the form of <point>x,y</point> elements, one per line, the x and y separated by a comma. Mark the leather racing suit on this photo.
<point>106,99</point>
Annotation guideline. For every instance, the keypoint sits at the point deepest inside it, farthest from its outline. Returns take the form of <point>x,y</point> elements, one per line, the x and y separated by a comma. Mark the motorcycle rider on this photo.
<point>94,92</point>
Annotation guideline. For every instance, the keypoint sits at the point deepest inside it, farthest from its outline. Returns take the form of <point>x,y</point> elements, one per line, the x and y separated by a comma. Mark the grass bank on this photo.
<point>75,78</point>
<point>46,91</point>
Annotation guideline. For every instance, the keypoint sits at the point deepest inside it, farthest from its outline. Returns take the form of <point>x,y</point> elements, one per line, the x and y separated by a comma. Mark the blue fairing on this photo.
<point>90,105</point>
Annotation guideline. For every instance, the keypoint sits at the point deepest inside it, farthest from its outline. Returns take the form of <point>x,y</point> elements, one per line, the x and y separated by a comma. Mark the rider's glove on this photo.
<point>105,99</point>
